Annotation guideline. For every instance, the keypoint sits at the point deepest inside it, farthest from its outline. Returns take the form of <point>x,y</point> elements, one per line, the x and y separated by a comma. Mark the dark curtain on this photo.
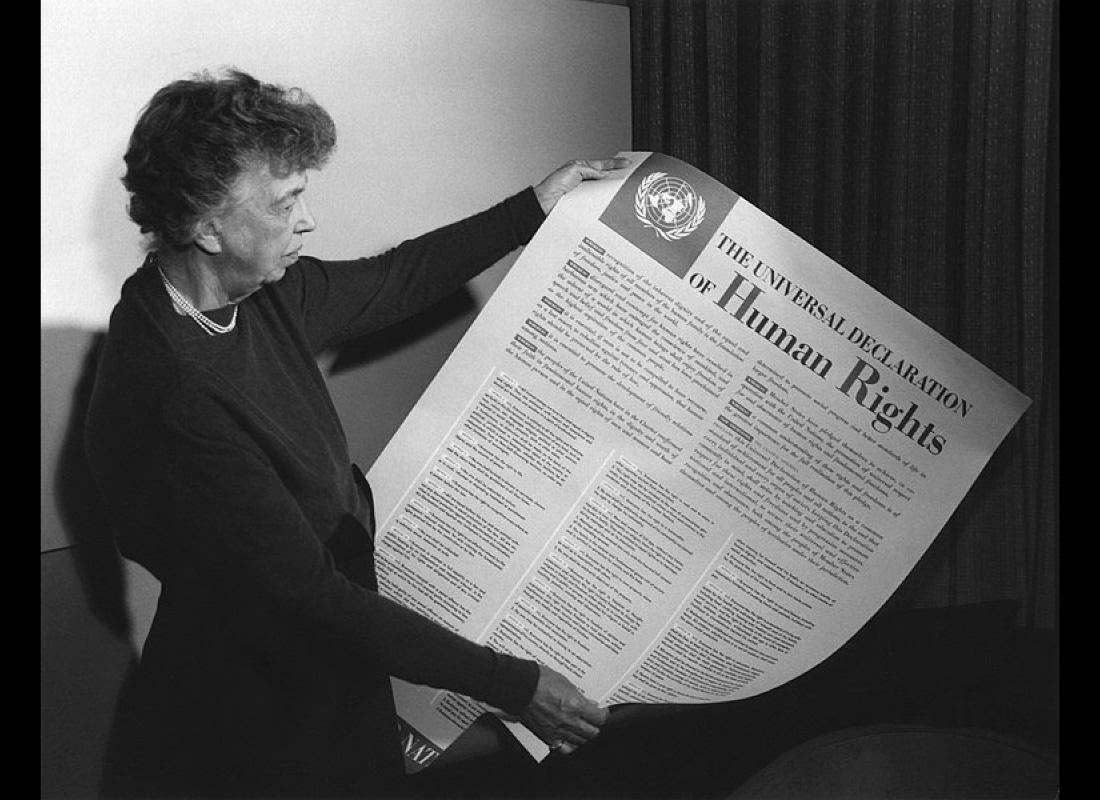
<point>916,143</point>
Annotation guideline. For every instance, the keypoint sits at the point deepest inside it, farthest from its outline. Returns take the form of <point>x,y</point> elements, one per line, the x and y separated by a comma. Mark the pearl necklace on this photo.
<point>212,328</point>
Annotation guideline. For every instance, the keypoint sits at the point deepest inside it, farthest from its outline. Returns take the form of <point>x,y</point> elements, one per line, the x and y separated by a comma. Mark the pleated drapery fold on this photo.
<point>916,143</point>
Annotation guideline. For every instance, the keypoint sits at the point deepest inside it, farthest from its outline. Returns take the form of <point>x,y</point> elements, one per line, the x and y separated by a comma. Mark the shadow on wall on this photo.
<point>97,559</point>
<point>86,624</point>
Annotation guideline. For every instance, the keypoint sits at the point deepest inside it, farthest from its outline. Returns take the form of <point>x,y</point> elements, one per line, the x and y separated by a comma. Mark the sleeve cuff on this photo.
<point>525,213</point>
<point>512,682</point>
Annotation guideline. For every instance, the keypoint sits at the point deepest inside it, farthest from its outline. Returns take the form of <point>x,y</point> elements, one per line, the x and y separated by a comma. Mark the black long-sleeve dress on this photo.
<point>226,473</point>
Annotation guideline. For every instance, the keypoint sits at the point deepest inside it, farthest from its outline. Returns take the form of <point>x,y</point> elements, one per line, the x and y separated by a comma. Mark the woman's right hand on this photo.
<point>560,714</point>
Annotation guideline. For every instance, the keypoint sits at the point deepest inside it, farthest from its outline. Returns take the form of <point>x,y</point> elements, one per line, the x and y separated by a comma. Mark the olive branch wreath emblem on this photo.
<point>671,234</point>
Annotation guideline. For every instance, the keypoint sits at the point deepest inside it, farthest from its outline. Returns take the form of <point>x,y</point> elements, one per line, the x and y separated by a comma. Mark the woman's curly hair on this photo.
<point>197,135</point>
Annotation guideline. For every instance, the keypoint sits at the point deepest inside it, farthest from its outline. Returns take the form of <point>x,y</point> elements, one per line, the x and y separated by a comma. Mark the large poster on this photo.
<point>680,456</point>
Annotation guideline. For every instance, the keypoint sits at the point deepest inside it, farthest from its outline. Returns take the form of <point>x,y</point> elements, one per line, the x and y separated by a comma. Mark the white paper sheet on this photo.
<point>680,456</point>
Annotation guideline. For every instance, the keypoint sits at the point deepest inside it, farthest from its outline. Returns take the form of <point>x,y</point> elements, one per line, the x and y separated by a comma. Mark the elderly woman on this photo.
<point>225,470</point>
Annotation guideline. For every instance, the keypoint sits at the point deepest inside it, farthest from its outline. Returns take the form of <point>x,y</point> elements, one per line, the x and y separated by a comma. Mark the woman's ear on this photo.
<point>208,236</point>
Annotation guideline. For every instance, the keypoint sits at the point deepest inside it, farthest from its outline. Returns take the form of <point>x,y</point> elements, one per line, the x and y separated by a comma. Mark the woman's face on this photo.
<point>260,233</point>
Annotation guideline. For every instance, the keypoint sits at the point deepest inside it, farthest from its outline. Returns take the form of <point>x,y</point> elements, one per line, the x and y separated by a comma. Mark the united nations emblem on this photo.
<point>670,206</point>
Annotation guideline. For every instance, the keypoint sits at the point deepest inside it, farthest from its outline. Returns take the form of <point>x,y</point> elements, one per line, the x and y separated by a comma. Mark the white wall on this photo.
<point>442,108</point>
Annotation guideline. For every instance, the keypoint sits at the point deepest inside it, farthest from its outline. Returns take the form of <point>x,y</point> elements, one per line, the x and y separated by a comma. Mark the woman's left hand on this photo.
<point>568,177</point>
